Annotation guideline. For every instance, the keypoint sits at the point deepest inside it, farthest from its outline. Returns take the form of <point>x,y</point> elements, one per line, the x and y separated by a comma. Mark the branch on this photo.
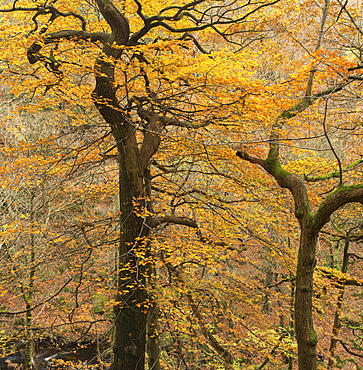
<point>155,124</point>
<point>285,179</point>
<point>47,9</point>
<point>334,174</point>
<point>353,255</point>
<point>118,23</point>
<point>343,195</point>
<point>255,160</point>
<point>336,276</point>
<point>268,357</point>
<point>157,221</point>
<point>222,20</point>
<point>41,303</point>
<point>293,111</point>
<point>331,144</point>
<point>356,78</point>
<point>213,342</point>
<point>200,24</point>
<point>189,36</point>
<point>317,46</point>
<point>181,9</point>
<point>151,141</point>
<point>350,351</point>
<point>170,121</point>
<point>307,101</point>
<point>272,164</point>
<point>56,13</point>
<point>139,11</point>
<point>350,16</point>
<point>75,35</point>
<point>296,109</point>
<point>285,280</point>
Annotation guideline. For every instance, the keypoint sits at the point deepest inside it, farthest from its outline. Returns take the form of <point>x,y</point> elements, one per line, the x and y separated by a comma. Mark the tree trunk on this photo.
<point>305,333</point>
<point>27,288</point>
<point>131,300</point>
<point>153,338</point>
<point>132,306</point>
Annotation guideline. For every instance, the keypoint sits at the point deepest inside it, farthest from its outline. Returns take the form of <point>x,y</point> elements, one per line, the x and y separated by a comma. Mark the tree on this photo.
<point>48,217</point>
<point>146,82</point>
<point>346,189</point>
<point>178,88</point>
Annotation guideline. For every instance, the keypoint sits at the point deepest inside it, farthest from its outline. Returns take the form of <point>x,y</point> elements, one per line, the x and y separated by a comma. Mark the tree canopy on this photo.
<point>181,182</point>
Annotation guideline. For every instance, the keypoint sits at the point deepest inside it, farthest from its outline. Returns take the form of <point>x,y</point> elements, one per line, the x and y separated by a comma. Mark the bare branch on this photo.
<point>212,20</point>
<point>309,87</point>
<point>245,156</point>
<point>139,11</point>
<point>189,36</point>
<point>349,350</point>
<point>331,144</point>
<point>47,9</point>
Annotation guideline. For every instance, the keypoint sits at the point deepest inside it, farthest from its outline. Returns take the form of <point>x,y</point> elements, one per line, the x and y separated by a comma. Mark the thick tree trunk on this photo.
<point>132,308</point>
<point>305,333</point>
<point>131,300</point>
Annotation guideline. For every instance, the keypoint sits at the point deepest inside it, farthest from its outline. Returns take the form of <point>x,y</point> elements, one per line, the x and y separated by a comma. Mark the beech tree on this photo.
<point>317,102</point>
<point>171,91</point>
<point>140,99</point>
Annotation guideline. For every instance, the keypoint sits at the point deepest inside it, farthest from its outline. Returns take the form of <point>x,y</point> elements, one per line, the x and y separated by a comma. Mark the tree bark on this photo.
<point>131,301</point>
<point>310,226</point>
<point>304,328</point>
<point>153,338</point>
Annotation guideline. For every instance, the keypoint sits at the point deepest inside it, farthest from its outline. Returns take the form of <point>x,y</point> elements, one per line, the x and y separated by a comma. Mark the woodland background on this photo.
<point>246,124</point>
